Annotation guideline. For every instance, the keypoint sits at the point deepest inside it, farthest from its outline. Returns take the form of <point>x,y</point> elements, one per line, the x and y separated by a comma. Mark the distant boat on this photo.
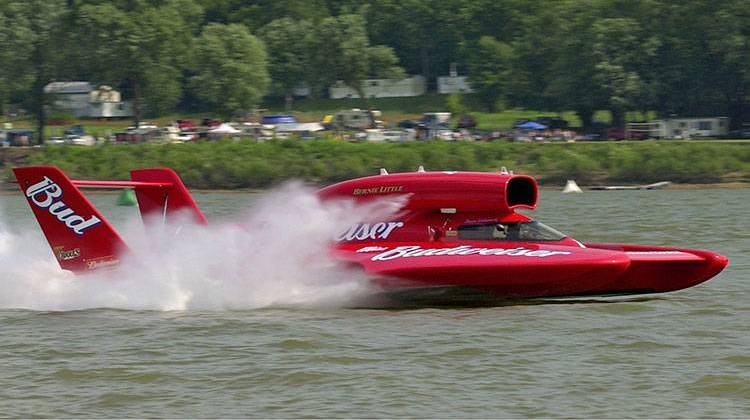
<point>654,186</point>
<point>571,187</point>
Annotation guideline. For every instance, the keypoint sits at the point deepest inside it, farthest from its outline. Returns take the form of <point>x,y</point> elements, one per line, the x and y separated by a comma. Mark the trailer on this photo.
<point>682,128</point>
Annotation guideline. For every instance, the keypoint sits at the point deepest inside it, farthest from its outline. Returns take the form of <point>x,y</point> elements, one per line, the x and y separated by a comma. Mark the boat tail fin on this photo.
<point>164,204</point>
<point>80,237</point>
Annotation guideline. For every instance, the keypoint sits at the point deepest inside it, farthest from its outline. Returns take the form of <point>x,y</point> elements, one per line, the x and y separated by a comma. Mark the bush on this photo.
<point>228,164</point>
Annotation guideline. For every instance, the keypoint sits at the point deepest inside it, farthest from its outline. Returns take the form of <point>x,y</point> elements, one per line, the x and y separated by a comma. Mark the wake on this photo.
<point>276,255</point>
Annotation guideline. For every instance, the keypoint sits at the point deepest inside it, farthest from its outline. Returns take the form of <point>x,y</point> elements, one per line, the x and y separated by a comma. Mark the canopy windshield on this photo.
<point>519,231</point>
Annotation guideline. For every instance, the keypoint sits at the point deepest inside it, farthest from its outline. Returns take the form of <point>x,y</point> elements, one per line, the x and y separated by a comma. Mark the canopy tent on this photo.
<point>224,128</point>
<point>531,125</point>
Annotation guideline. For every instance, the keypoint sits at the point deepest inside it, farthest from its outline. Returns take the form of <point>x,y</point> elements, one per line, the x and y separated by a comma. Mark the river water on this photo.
<point>684,354</point>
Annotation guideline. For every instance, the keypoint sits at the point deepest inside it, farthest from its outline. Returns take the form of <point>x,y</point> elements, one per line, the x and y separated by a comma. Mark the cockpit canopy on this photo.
<point>514,231</point>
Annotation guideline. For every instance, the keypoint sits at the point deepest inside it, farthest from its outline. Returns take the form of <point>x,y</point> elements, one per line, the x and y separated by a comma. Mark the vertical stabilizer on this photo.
<point>165,203</point>
<point>80,237</point>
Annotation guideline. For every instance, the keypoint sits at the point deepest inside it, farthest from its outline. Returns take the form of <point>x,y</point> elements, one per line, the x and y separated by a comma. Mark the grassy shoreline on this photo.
<point>248,165</point>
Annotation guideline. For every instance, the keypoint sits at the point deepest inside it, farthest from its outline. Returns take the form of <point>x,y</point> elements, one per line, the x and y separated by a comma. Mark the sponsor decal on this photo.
<point>101,262</point>
<point>418,251</point>
<point>47,195</point>
<point>364,231</point>
<point>384,189</point>
<point>481,221</point>
<point>372,249</point>
<point>64,255</point>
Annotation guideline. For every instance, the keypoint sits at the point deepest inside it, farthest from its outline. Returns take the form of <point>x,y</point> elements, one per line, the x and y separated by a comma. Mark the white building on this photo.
<point>83,100</point>
<point>683,128</point>
<point>106,102</point>
<point>70,96</point>
<point>454,84</point>
<point>381,88</point>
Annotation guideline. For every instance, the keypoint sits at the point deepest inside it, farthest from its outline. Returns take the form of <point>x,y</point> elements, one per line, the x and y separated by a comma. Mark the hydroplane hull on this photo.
<point>455,235</point>
<point>569,271</point>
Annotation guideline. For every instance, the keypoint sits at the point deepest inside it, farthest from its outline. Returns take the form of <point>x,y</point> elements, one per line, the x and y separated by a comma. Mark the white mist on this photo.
<point>276,255</point>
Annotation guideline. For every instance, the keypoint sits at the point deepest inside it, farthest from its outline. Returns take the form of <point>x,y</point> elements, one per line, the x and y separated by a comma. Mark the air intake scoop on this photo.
<point>463,191</point>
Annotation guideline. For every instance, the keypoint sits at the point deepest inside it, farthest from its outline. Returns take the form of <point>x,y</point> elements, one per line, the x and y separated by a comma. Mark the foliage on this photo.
<point>349,56</point>
<point>32,36</point>
<point>143,46</point>
<point>491,71</point>
<point>16,47</point>
<point>228,164</point>
<point>288,65</point>
<point>622,58</point>
<point>230,68</point>
<point>689,58</point>
<point>455,105</point>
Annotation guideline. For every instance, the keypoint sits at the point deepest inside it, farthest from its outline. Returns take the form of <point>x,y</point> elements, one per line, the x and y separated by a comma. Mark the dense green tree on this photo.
<point>16,47</point>
<point>255,14</point>
<point>729,43</point>
<point>144,47</point>
<point>687,58</point>
<point>31,42</point>
<point>230,68</point>
<point>350,56</point>
<point>622,51</point>
<point>425,36</point>
<point>288,63</point>
<point>573,66</point>
<point>490,71</point>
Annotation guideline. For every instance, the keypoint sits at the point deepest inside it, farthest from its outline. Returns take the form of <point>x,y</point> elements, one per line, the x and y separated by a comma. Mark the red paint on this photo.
<point>445,239</point>
<point>482,198</point>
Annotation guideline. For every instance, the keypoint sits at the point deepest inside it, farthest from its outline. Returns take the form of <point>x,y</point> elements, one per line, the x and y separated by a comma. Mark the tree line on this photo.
<point>676,58</point>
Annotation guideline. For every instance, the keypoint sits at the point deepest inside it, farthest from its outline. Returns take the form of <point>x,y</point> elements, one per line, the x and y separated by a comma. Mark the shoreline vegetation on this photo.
<point>227,165</point>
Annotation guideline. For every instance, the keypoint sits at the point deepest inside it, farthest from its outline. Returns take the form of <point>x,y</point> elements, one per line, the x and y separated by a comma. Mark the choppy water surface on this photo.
<point>685,354</point>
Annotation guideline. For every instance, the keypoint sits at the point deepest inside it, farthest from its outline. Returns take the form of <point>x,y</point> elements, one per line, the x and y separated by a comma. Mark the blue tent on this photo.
<point>531,125</point>
<point>279,119</point>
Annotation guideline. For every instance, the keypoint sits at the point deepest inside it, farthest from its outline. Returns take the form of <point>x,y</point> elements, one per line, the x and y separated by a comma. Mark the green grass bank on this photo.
<point>228,165</point>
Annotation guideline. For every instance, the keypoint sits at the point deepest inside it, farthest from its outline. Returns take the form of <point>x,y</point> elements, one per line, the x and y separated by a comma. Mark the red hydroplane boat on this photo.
<point>457,237</point>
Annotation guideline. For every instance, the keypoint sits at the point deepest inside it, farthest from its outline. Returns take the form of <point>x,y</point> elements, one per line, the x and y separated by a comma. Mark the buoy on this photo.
<point>127,198</point>
<point>571,187</point>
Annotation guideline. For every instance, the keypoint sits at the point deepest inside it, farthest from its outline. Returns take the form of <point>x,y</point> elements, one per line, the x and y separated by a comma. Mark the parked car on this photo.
<point>384,135</point>
<point>186,125</point>
<point>356,119</point>
<point>617,133</point>
<point>56,140</point>
<point>467,121</point>
<point>17,137</point>
<point>211,122</point>
<point>553,122</point>
<point>737,134</point>
<point>592,136</point>
<point>408,124</point>
<point>84,140</point>
<point>174,134</point>
<point>76,130</point>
